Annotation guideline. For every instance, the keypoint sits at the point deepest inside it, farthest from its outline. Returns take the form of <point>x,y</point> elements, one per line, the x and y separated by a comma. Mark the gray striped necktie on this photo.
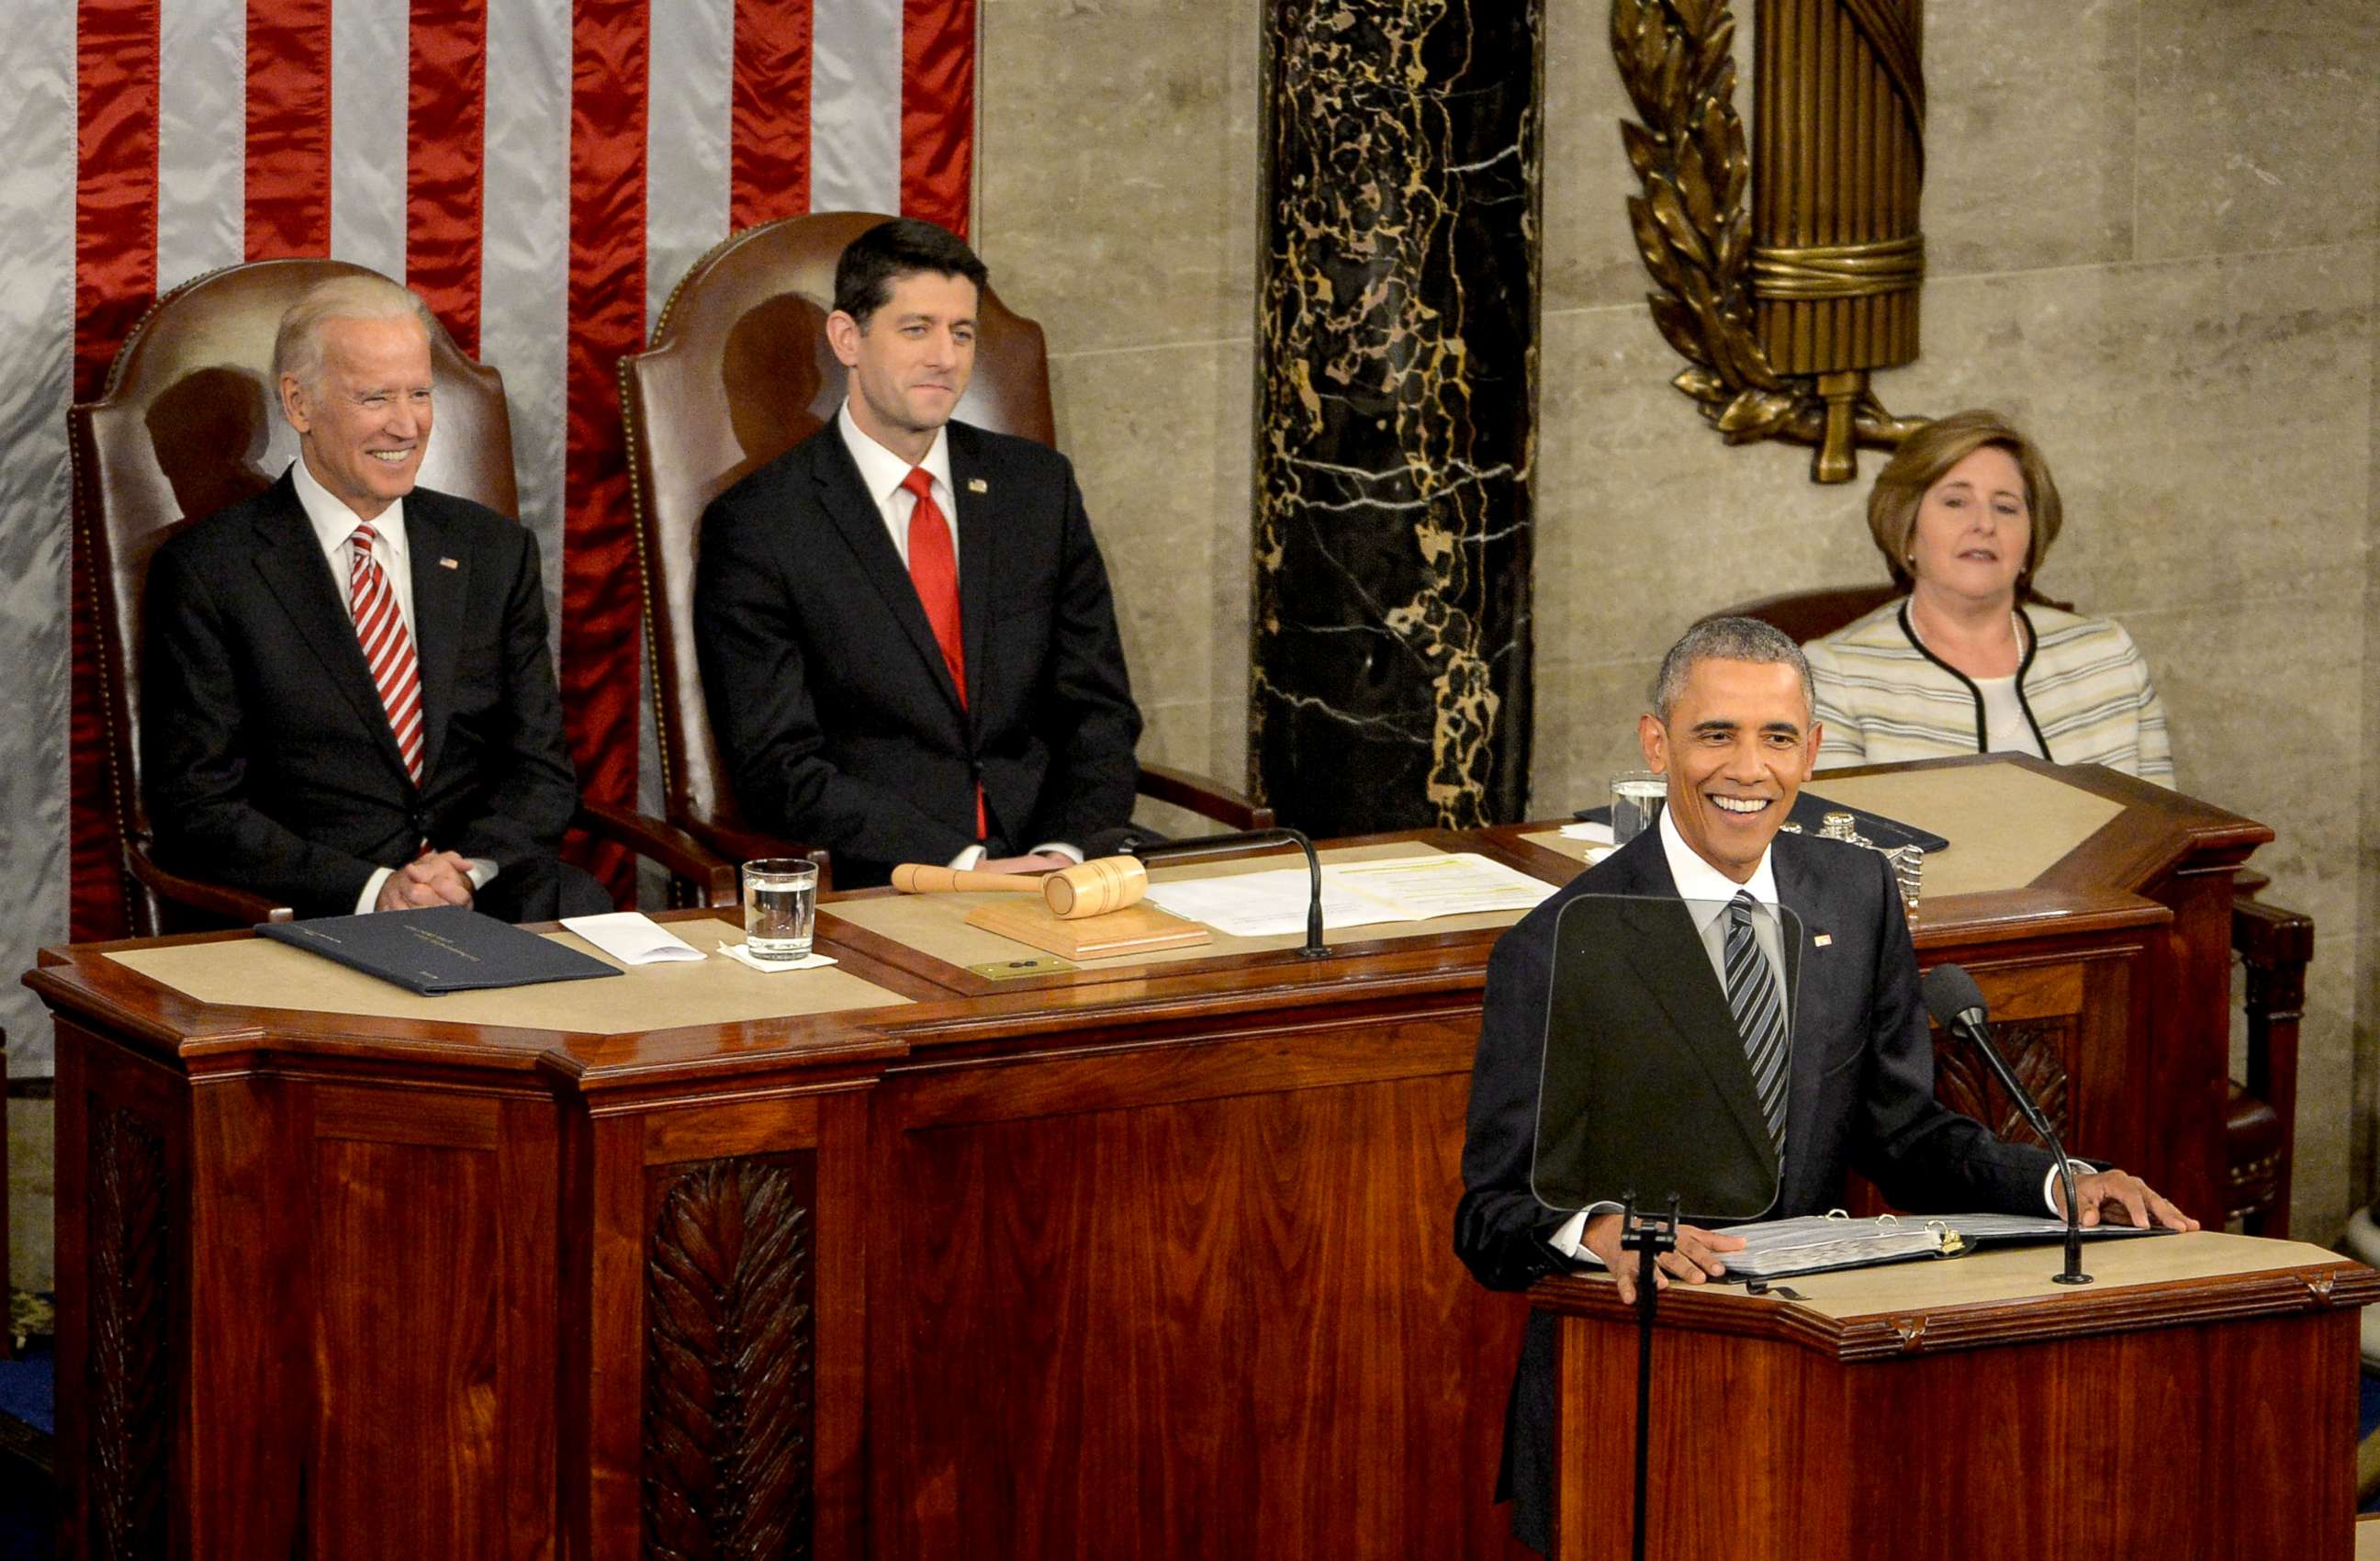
<point>1752,996</point>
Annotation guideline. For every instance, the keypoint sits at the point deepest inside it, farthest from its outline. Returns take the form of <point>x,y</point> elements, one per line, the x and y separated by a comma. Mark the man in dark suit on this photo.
<point>347,701</point>
<point>1731,728</point>
<point>907,641</point>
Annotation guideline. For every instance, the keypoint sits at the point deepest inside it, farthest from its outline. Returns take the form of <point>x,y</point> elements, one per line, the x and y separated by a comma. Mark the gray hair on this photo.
<point>298,344</point>
<point>1728,639</point>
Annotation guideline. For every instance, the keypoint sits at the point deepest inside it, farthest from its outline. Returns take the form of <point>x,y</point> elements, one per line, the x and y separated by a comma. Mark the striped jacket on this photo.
<point>1884,698</point>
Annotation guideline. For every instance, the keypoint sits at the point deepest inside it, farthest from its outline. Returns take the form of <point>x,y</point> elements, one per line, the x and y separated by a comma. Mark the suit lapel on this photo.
<point>976,538</point>
<point>1798,891</point>
<point>438,597</point>
<point>289,558</point>
<point>1689,992</point>
<point>861,526</point>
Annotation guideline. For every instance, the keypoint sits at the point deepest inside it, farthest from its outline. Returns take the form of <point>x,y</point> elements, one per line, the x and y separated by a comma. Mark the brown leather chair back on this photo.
<point>739,372</point>
<point>1807,614</point>
<point>190,421</point>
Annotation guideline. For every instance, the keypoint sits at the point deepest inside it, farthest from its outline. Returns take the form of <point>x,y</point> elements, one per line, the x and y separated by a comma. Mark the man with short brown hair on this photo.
<point>907,641</point>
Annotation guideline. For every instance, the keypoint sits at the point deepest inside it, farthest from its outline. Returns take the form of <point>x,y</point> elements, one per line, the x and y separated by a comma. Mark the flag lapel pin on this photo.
<point>1824,939</point>
<point>977,485</point>
<point>450,563</point>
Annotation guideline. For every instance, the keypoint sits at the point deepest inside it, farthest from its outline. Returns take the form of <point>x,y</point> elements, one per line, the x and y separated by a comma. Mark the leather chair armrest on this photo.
<point>711,879</point>
<point>2275,944</point>
<point>739,845</point>
<point>1207,798</point>
<point>2270,935</point>
<point>235,906</point>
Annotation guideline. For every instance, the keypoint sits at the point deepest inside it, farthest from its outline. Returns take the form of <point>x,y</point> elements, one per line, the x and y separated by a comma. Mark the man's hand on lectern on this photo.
<point>1697,1256</point>
<point>2117,1197</point>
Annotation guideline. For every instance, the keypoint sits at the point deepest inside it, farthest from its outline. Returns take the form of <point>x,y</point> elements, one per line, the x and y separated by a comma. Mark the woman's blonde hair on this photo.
<point>1933,449</point>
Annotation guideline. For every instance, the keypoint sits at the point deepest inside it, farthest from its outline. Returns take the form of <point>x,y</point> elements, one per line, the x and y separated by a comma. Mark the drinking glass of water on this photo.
<point>780,907</point>
<point>1636,799</point>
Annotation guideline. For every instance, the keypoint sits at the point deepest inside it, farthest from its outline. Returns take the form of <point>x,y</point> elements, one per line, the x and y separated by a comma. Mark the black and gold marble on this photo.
<point>1397,311</point>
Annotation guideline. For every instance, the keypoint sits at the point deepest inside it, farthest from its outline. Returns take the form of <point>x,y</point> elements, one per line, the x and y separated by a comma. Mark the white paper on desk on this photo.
<point>1267,904</point>
<point>632,938</point>
<point>1462,883</point>
<point>1587,830</point>
<point>1403,889</point>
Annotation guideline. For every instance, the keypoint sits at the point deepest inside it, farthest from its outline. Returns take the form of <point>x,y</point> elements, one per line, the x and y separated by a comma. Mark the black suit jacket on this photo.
<point>266,755</point>
<point>1861,1096</point>
<point>836,716</point>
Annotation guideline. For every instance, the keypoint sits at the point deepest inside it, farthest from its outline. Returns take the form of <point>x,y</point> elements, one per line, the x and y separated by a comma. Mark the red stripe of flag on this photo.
<point>288,128</point>
<point>445,136</point>
<point>937,110</point>
<point>609,51</point>
<point>769,127</point>
<point>115,276</point>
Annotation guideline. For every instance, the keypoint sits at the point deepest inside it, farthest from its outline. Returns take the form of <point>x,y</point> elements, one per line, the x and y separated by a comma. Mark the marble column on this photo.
<point>1396,403</point>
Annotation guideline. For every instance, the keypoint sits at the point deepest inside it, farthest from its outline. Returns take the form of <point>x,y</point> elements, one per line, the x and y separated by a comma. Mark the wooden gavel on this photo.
<point>1088,889</point>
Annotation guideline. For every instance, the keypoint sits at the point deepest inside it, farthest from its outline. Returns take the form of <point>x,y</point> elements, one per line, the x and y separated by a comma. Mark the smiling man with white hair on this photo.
<point>347,703</point>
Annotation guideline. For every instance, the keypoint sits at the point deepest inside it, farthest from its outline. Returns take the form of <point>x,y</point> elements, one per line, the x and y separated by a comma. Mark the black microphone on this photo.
<point>1957,1005</point>
<point>1159,849</point>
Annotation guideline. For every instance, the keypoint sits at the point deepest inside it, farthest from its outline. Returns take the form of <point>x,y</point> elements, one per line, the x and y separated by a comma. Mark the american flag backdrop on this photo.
<point>542,171</point>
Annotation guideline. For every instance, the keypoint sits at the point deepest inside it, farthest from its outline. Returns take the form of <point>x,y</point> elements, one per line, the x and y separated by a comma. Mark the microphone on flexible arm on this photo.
<point>1957,1005</point>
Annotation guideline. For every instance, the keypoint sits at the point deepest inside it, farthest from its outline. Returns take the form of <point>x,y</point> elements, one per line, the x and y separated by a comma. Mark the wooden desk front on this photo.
<point>1149,1261</point>
<point>2196,1402</point>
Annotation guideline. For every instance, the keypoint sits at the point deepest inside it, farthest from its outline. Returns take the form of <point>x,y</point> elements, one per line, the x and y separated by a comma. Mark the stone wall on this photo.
<point>2152,238</point>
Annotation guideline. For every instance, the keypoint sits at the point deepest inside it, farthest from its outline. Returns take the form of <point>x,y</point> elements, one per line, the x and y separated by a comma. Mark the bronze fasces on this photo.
<point>1787,279</point>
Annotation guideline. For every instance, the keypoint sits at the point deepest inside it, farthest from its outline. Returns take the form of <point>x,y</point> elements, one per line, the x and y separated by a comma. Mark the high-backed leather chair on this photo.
<point>739,372</point>
<point>2274,945</point>
<point>189,422</point>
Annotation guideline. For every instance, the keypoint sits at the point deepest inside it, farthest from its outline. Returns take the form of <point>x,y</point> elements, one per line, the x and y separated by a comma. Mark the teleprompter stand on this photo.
<point>1645,1085</point>
<point>1648,1236</point>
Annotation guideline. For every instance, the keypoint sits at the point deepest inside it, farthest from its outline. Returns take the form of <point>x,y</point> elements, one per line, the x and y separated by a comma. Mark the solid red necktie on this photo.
<point>934,569</point>
<point>388,649</point>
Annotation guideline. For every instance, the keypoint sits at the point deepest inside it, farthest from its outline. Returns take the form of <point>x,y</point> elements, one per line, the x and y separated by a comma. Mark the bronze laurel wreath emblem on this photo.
<point>1692,231</point>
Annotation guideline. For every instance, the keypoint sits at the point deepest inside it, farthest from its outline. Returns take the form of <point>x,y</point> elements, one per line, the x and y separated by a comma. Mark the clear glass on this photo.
<point>780,907</point>
<point>1636,799</point>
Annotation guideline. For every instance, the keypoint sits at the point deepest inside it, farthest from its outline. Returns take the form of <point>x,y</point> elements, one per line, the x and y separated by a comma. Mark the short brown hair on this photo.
<point>869,264</point>
<point>1933,449</point>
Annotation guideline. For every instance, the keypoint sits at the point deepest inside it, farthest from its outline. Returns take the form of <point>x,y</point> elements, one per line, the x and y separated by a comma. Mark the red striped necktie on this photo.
<point>388,649</point>
<point>934,569</point>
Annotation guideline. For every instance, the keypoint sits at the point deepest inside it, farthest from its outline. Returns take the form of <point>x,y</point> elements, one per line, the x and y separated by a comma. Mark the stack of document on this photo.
<point>1403,889</point>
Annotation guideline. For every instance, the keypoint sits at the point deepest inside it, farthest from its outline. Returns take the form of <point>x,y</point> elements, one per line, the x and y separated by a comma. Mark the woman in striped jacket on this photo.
<point>1965,664</point>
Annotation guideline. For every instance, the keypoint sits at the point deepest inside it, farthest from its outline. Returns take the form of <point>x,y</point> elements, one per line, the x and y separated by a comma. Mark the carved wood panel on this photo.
<point>729,1362</point>
<point>2036,1050</point>
<point>126,1373</point>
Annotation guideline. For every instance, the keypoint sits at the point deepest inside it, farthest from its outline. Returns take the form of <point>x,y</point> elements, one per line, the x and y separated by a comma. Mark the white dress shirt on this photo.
<point>882,474</point>
<point>1707,892</point>
<point>333,523</point>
